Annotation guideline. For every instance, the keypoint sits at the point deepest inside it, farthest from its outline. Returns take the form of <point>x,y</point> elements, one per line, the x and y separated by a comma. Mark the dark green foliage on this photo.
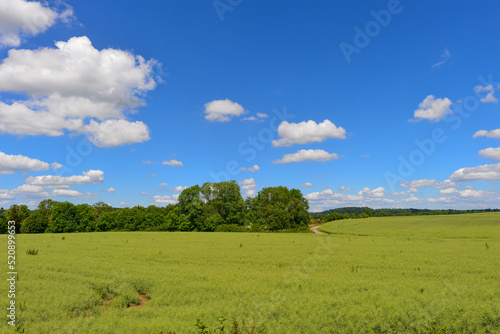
<point>87,218</point>
<point>3,223</point>
<point>64,218</point>
<point>211,207</point>
<point>36,223</point>
<point>278,208</point>
<point>358,211</point>
<point>17,213</point>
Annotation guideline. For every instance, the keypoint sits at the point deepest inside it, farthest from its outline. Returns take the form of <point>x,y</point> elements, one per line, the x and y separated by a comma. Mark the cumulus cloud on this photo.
<point>179,188</point>
<point>483,172</point>
<point>165,199</point>
<point>90,177</point>
<point>111,190</point>
<point>307,185</point>
<point>473,193</point>
<point>433,109</point>
<point>172,163</point>
<point>448,191</point>
<point>222,110</point>
<point>378,192</point>
<point>490,152</point>
<point>11,163</point>
<point>5,194</point>
<point>28,190</point>
<point>20,18</point>
<point>344,189</point>
<point>445,184</point>
<point>254,168</point>
<point>71,193</point>
<point>77,88</point>
<point>490,134</point>
<point>116,132</point>
<point>307,132</point>
<point>249,185</point>
<point>262,115</point>
<point>307,155</point>
<point>418,183</point>
<point>489,98</point>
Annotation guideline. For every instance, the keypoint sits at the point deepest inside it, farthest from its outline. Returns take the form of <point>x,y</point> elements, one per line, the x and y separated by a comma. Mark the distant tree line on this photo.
<point>210,207</point>
<point>365,212</point>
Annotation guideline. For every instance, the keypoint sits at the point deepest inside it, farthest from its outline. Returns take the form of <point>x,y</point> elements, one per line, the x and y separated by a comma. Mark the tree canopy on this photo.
<point>210,207</point>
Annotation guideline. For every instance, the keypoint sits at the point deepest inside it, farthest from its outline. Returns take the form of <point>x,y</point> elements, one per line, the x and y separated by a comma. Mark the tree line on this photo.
<point>365,212</point>
<point>210,207</point>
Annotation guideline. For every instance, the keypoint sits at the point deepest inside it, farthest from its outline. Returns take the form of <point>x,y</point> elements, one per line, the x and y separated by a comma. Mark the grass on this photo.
<point>434,274</point>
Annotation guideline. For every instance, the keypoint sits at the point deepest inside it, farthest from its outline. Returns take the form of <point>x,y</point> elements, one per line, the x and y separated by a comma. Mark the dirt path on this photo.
<point>315,230</point>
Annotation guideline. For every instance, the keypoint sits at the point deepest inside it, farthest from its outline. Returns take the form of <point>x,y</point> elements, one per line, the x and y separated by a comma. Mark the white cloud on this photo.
<point>490,134</point>
<point>254,168</point>
<point>5,194</point>
<point>116,132</point>
<point>483,172</point>
<point>448,191</point>
<point>379,192</point>
<point>163,184</point>
<point>172,163</point>
<point>489,98</point>
<point>11,163</point>
<point>147,162</point>
<point>165,199</point>
<point>249,185</point>
<point>90,177</point>
<point>222,110</point>
<point>433,109</point>
<point>490,152</point>
<point>28,190</point>
<point>445,184</point>
<point>73,84</point>
<point>473,193</point>
<point>344,189</point>
<point>418,183</point>
<point>179,188</point>
<point>307,132</point>
<point>20,18</point>
<point>259,117</point>
<point>124,204</point>
<point>334,199</point>
<point>307,155</point>
<point>307,185</point>
<point>445,56</point>
<point>111,190</point>
<point>71,193</point>
<point>144,193</point>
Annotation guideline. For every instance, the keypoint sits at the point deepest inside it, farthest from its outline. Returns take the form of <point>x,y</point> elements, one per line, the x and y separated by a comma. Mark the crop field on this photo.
<point>422,274</point>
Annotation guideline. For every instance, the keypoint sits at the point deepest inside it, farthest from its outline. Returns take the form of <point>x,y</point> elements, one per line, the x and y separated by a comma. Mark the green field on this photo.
<point>434,274</point>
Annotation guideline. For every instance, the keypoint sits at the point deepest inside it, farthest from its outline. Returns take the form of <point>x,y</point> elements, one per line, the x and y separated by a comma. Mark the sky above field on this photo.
<point>383,104</point>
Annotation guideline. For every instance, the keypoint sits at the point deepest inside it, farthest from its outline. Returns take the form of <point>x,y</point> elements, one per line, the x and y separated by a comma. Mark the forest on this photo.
<point>210,207</point>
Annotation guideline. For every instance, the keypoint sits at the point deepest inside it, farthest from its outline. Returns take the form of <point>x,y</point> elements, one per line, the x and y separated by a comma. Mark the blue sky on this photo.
<point>384,104</point>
